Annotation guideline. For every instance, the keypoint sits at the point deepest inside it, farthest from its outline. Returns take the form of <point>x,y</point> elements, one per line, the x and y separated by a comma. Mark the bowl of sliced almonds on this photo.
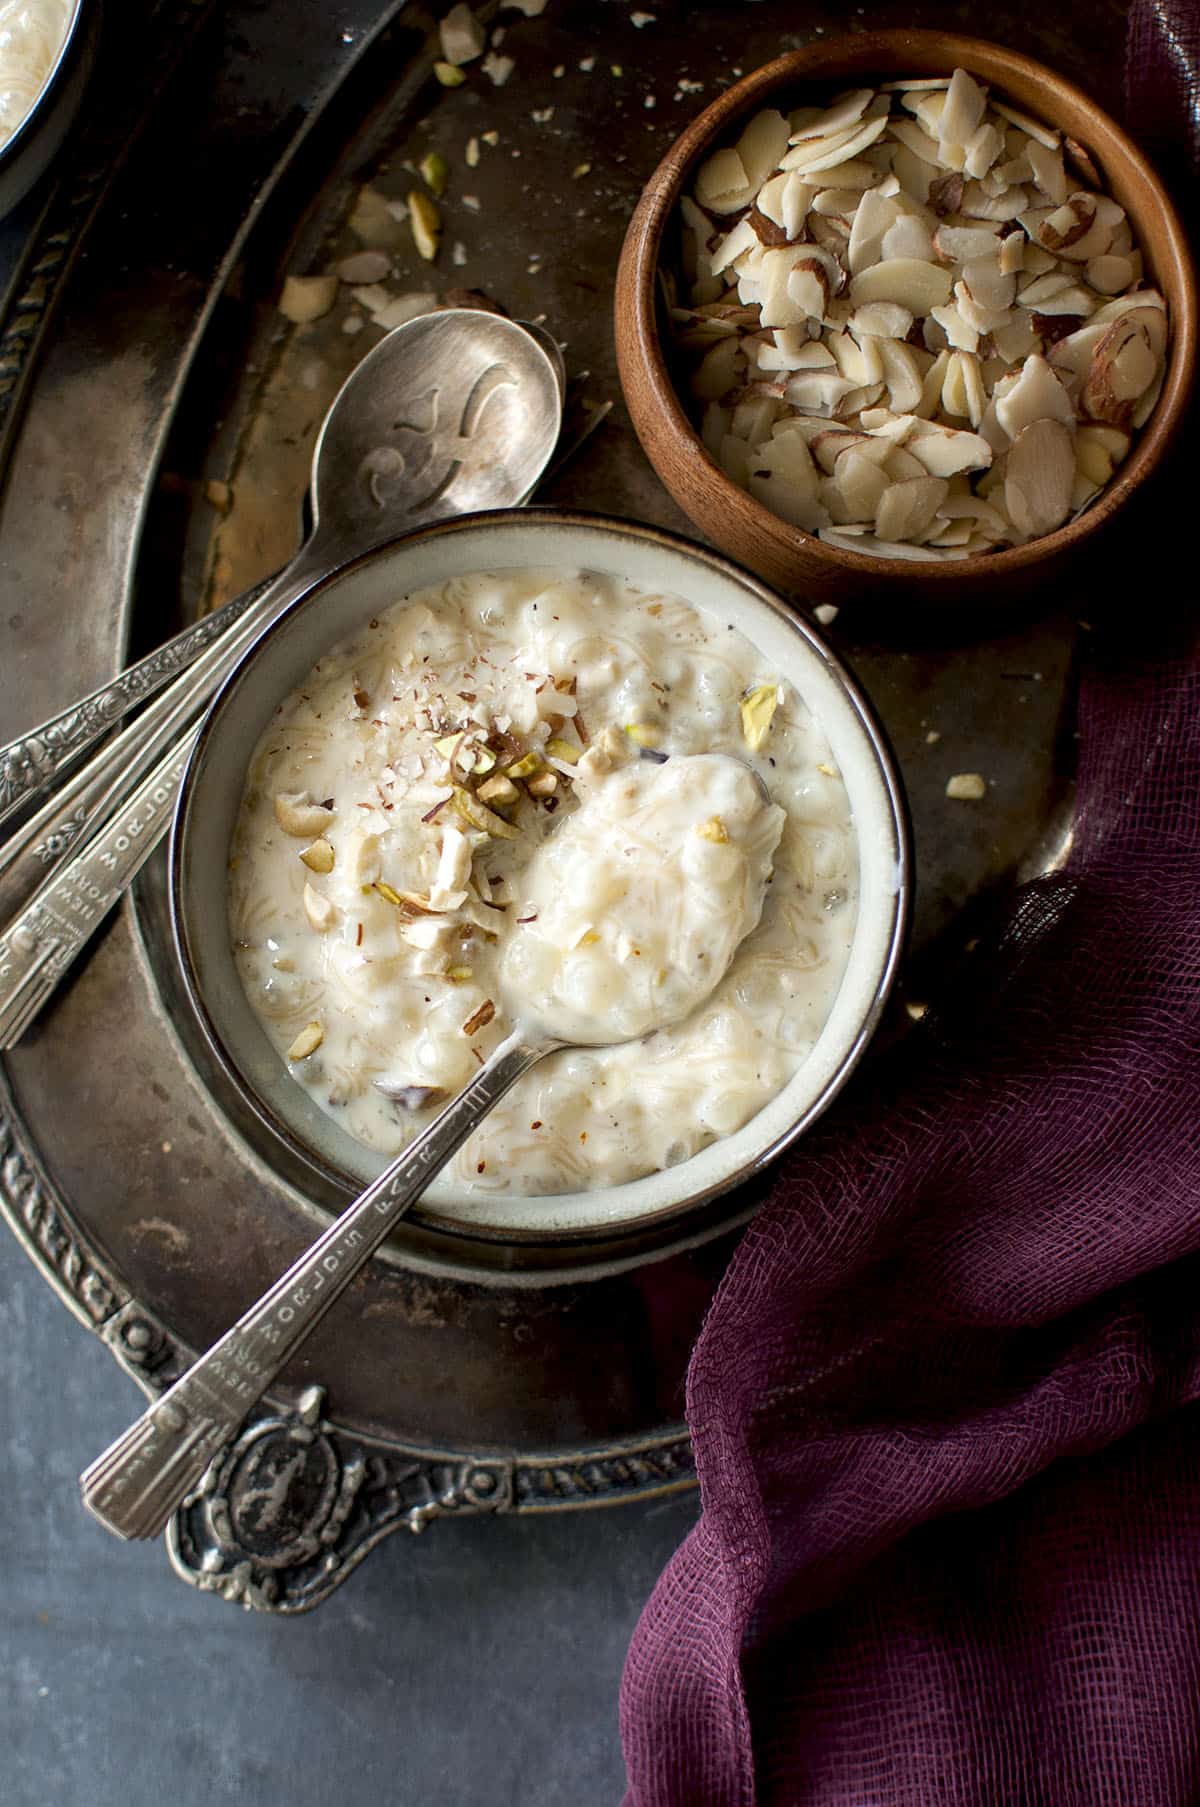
<point>905,309</point>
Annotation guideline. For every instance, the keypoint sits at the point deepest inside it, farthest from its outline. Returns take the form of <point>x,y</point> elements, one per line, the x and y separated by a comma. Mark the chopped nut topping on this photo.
<point>319,857</point>
<point>713,830</point>
<point>298,815</point>
<point>481,1018</point>
<point>758,712</point>
<point>306,1043</point>
<point>967,787</point>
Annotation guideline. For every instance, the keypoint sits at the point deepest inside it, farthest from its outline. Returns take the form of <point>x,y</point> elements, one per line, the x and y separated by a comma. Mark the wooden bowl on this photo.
<point>787,557</point>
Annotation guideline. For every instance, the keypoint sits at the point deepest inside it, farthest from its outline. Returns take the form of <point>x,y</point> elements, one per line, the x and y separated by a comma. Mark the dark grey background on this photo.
<point>480,1661</point>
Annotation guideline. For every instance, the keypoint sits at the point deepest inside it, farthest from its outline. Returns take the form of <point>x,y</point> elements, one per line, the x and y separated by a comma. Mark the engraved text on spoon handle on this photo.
<point>134,1487</point>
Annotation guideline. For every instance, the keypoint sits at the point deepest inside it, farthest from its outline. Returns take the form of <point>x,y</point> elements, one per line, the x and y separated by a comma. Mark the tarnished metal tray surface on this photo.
<point>223,146</point>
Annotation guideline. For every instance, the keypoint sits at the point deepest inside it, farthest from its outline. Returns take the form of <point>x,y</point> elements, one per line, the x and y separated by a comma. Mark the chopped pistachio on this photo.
<point>544,784</point>
<point>449,744</point>
<point>388,894</point>
<point>525,766</point>
<point>967,787</point>
<point>435,172</point>
<point>642,734</point>
<point>758,710</point>
<point>580,170</point>
<point>480,816</point>
<point>426,224</point>
<point>307,1042</point>
<point>565,750</point>
<point>458,975</point>
<point>318,857</point>
<point>472,152</point>
<point>448,75</point>
<point>485,761</point>
<point>713,830</point>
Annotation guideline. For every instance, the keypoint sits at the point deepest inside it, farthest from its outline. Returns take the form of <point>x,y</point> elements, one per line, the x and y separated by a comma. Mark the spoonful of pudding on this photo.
<point>636,906</point>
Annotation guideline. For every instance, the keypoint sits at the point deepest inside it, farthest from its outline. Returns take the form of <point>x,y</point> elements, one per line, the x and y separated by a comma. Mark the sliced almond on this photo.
<point>962,112</point>
<point>862,483</point>
<point>910,283</point>
<point>1109,275</point>
<point>306,1043</point>
<point>1122,368</point>
<point>844,112</point>
<point>722,184</point>
<point>1041,134</point>
<point>321,911</point>
<point>1037,394</point>
<point>818,391</point>
<point>987,284</point>
<point>762,144</point>
<point>1039,477</point>
<point>1068,223</point>
<point>907,508</point>
<point>978,204</point>
<point>1012,253</point>
<point>960,244</point>
<point>985,146</point>
<point>959,332</point>
<point>812,158</point>
<point>944,451</point>
<point>1046,166</point>
<point>881,320</point>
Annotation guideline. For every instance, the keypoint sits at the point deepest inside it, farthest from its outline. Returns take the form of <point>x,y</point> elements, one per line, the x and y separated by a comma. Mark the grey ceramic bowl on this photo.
<point>342,603</point>
<point>27,154</point>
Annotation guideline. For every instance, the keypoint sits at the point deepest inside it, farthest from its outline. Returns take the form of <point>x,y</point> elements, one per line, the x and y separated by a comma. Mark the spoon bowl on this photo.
<point>453,413</point>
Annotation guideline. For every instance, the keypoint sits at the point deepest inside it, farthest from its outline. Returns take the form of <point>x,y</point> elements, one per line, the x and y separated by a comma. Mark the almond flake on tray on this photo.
<point>912,330</point>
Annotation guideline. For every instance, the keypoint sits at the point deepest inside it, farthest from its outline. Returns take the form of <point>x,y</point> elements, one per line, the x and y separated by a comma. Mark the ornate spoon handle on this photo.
<point>29,764</point>
<point>41,942</point>
<point>135,1486</point>
<point>76,802</point>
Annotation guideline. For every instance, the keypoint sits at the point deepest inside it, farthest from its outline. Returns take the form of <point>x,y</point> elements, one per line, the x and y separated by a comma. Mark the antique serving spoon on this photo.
<point>494,466</point>
<point>135,1486</point>
<point>454,412</point>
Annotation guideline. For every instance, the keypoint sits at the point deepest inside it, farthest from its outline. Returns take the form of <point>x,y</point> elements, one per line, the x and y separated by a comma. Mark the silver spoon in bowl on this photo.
<point>454,412</point>
<point>136,1485</point>
<point>450,413</point>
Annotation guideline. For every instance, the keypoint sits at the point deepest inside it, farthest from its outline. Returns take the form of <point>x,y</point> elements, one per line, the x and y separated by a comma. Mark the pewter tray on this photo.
<point>141,358</point>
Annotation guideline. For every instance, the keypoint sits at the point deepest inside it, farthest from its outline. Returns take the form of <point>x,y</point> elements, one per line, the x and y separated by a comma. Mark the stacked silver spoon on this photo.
<point>452,413</point>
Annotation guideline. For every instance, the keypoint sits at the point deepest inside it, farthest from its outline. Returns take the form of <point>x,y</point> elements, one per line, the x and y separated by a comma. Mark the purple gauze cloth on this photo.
<point>943,1404</point>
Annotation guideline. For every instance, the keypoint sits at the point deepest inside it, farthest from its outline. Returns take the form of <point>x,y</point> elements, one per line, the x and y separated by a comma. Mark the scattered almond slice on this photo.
<point>306,298</point>
<point>966,787</point>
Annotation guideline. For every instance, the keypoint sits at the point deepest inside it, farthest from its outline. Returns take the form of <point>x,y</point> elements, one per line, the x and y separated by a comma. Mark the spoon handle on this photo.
<point>136,1485</point>
<point>30,764</point>
<point>74,806</point>
<point>137,780</point>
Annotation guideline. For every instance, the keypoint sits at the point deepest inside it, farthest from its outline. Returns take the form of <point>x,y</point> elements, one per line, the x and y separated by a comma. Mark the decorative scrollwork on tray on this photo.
<point>294,1504</point>
<point>41,1224</point>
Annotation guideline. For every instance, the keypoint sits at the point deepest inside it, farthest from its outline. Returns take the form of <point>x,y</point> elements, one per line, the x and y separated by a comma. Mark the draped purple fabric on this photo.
<point>943,1405</point>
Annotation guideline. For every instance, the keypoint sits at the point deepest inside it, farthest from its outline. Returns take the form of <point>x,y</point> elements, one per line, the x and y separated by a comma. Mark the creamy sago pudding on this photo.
<point>389,927</point>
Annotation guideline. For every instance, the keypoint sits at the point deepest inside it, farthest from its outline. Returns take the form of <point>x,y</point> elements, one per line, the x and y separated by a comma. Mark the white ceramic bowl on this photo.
<point>342,603</point>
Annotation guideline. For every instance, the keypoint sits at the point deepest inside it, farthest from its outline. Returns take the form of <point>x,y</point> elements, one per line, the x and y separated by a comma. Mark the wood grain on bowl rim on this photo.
<point>743,527</point>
